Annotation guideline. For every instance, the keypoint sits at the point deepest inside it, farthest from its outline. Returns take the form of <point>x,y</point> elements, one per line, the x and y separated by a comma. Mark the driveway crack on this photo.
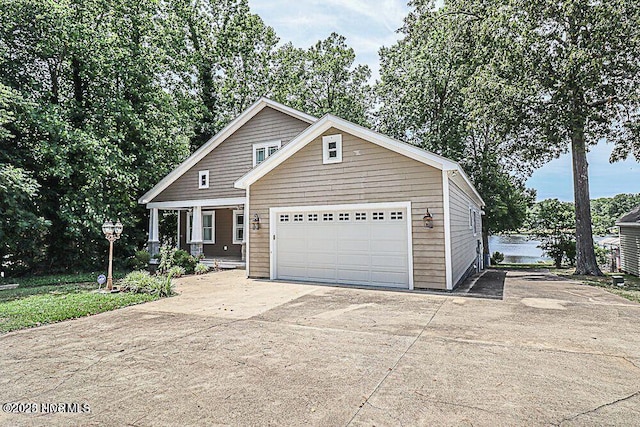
<point>390,370</point>
<point>604,405</point>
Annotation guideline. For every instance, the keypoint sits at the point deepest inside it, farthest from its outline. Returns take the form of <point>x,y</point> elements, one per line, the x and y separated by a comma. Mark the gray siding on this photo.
<point>233,158</point>
<point>463,240</point>
<point>367,174</point>
<point>630,250</point>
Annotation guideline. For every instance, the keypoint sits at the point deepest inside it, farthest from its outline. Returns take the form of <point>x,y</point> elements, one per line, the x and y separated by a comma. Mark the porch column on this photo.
<point>196,232</point>
<point>154,236</point>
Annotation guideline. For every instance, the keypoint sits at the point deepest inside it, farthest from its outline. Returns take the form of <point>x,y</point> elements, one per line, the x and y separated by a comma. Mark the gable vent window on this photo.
<point>264,150</point>
<point>203,179</point>
<point>332,149</point>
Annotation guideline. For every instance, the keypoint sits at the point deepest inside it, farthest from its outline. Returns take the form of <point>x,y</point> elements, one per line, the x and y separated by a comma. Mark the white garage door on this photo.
<point>366,246</point>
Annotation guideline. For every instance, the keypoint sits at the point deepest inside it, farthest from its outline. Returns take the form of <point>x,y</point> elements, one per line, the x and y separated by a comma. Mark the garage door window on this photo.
<point>298,218</point>
<point>327,217</point>
<point>396,216</point>
<point>284,218</point>
<point>378,216</point>
<point>343,217</point>
<point>361,216</point>
<point>312,217</point>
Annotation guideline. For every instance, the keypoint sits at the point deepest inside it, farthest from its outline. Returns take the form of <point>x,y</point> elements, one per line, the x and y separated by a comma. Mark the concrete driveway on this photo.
<point>232,351</point>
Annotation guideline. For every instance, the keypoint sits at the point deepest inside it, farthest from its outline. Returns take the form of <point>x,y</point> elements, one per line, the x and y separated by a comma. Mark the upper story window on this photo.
<point>263,150</point>
<point>332,149</point>
<point>203,179</point>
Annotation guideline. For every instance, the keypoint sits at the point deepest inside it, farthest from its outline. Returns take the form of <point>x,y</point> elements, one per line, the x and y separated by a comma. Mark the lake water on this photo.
<point>518,249</point>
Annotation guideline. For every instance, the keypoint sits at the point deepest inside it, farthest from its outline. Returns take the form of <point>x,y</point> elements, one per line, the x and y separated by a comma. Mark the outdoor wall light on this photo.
<point>427,219</point>
<point>255,222</point>
<point>112,232</point>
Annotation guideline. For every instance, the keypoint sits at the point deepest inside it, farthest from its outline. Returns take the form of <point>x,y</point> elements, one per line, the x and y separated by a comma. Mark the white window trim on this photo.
<point>475,223</point>
<point>470,218</point>
<point>266,146</point>
<point>325,149</point>
<point>200,175</point>
<point>213,227</point>
<point>235,228</point>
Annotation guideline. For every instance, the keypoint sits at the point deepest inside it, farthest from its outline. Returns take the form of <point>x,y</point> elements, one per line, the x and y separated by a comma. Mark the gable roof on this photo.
<point>630,218</point>
<point>330,121</point>
<point>218,139</point>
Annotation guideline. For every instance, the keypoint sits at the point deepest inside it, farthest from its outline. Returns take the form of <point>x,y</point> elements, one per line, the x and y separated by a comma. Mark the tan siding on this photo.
<point>463,241</point>
<point>630,250</point>
<point>233,158</point>
<point>375,175</point>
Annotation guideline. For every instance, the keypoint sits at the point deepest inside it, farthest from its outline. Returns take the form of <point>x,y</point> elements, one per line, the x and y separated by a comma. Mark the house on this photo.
<point>630,242</point>
<point>323,200</point>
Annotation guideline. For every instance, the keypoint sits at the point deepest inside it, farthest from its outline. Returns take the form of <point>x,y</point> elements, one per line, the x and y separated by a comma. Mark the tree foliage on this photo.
<point>605,211</point>
<point>552,222</point>
<point>438,91</point>
<point>323,79</point>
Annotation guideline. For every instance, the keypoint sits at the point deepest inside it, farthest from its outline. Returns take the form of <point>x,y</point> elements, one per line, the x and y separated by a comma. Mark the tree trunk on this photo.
<point>586,263</point>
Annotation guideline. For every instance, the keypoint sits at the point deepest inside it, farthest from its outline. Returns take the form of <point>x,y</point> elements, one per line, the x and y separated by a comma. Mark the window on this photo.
<point>208,226</point>
<point>238,227</point>
<point>284,218</point>
<point>327,217</point>
<point>361,216</point>
<point>312,217</point>
<point>470,218</point>
<point>332,149</point>
<point>343,217</point>
<point>263,150</point>
<point>475,223</point>
<point>396,215</point>
<point>378,216</point>
<point>298,218</point>
<point>203,179</point>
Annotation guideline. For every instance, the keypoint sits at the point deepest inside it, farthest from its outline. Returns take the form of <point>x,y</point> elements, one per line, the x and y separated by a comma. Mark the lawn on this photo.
<point>48,299</point>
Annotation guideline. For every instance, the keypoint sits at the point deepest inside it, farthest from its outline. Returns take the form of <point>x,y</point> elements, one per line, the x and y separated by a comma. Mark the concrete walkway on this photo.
<point>232,351</point>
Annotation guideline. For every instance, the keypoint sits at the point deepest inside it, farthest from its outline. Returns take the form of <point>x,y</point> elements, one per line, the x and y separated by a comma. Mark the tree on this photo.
<point>552,223</point>
<point>438,91</point>
<point>323,79</point>
<point>581,58</point>
<point>606,211</point>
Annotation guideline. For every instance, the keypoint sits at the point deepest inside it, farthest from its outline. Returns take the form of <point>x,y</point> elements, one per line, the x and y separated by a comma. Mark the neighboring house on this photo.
<point>323,200</point>
<point>630,242</point>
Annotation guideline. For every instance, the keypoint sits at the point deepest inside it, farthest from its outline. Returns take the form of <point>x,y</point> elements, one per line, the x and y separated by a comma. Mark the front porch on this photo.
<point>210,228</point>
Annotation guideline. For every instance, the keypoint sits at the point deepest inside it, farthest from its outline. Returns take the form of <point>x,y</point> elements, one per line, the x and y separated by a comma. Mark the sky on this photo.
<point>369,25</point>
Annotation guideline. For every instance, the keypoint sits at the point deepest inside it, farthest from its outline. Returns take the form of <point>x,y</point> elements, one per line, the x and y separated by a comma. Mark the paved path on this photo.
<point>232,351</point>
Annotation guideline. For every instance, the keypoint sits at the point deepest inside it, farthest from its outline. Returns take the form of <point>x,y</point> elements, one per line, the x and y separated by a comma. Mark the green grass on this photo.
<point>47,299</point>
<point>630,291</point>
<point>58,279</point>
<point>36,310</point>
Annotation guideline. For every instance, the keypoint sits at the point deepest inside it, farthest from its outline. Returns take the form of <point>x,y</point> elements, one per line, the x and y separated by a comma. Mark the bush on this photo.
<point>183,259</point>
<point>176,271</point>
<point>140,260</point>
<point>201,268</point>
<point>141,282</point>
<point>497,258</point>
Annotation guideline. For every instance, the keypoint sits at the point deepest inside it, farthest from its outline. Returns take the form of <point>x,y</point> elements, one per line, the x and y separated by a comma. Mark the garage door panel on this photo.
<point>355,247</point>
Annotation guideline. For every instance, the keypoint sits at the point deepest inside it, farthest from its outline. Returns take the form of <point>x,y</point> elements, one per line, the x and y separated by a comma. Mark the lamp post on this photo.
<point>112,232</point>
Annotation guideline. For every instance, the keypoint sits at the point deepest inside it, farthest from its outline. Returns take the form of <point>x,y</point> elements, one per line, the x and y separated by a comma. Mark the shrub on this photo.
<point>497,258</point>
<point>183,259</point>
<point>176,271</point>
<point>140,260</point>
<point>167,254</point>
<point>201,268</point>
<point>141,282</point>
